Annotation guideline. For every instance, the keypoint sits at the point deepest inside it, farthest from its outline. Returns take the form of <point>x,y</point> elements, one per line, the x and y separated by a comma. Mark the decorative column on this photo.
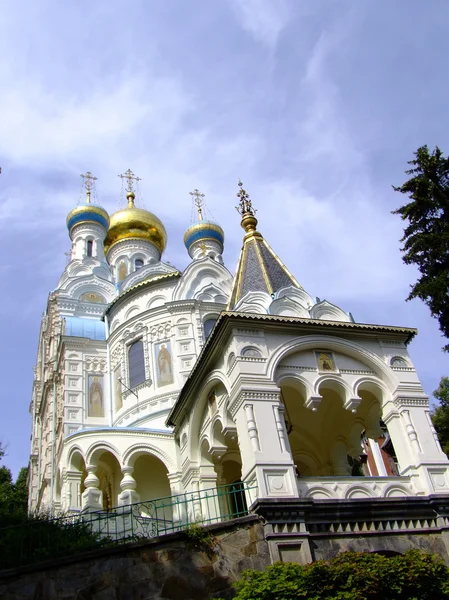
<point>178,499</point>
<point>420,456</point>
<point>128,487</point>
<point>267,465</point>
<point>252,427</point>
<point>92,498</point>
<point>434,433</point>
<point>279,418</point>
<point>340,465</point>
<point>72,491</point>
<point>411,432</point>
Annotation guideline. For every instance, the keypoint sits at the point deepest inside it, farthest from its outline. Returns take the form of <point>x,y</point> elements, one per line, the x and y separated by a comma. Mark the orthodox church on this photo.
<point>151,382</point>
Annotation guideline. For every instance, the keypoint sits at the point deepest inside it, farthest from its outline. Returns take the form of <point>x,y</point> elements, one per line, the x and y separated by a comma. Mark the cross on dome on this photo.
<point>89,183</point>
<point>130,176</point>
<point>198,200</point>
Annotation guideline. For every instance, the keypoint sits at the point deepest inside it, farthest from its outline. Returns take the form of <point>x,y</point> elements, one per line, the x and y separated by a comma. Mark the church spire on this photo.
<point>259,268</point>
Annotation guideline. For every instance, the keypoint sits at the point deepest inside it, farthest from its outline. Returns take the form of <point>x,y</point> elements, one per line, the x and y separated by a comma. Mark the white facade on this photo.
<point>278,397</point>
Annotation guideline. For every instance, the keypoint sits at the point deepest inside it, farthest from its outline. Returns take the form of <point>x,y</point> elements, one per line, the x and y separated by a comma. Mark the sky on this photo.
<point>316,105</point>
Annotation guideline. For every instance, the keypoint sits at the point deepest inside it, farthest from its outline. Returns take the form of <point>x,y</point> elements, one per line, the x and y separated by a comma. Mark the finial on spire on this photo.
<point>245,206</point>
<point>246,210</point>
<point>129,175</point>
<point>198,200</point>
<point>88,182</point>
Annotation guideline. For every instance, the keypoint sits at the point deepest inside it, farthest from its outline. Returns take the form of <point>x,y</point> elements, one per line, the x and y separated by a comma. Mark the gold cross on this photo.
<point>88,181</point>
<point>129,175</point>
<point>203,247</point>
<point>198,199</point>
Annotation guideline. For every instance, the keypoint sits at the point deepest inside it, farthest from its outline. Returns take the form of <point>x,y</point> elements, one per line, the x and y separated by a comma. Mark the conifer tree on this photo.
<point>426,234</point>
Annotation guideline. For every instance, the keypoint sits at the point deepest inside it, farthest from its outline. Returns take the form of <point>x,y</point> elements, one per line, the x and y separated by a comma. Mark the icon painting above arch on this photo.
<point>325,361</point>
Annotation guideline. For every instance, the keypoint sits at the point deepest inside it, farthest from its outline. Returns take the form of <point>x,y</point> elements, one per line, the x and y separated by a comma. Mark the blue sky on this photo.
<point>316,105</point>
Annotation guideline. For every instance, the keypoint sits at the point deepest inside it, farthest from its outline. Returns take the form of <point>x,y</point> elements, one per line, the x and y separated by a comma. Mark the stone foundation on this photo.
<point>167,568</point>
<point>301,530</point>
<point>307,530</point>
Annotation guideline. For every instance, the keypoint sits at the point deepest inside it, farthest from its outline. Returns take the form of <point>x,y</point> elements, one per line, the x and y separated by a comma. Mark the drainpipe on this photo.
<point>108,358</point>
<point>53,438</point>
<point>40,421</point>
<point>33,439</point>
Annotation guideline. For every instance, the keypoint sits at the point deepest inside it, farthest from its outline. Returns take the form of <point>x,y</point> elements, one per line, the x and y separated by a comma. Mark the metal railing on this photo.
<point>40,539</point>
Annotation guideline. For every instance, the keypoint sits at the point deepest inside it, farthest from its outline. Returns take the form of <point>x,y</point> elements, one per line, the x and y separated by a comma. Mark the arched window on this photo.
<point>90,246</point>
<point>138,263</point>
<point>136,362</point>
<point>208,326</point>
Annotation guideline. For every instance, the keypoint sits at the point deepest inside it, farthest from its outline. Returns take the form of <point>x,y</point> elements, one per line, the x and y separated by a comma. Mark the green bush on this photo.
<point>33,539</point>
<point>350,576</point>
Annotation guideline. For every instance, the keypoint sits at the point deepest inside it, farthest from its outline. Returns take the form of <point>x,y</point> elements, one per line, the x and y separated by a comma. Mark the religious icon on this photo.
<point>92,297</point>
<point>212,399</point>
<point>95,407</point>
<point>118,389</point>
<point>325,361</point>
<point>122,271</point>
<point>164,363</point>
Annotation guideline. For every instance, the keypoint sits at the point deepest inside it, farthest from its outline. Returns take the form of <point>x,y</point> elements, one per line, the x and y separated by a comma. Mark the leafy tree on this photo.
<point>350,576</point>
<point>426,235</point>
<point>440,414</point>
<point>13,496</point>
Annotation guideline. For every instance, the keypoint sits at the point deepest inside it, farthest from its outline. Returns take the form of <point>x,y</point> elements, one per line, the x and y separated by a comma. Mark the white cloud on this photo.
<point>263,19</point>
<point>46,126</point>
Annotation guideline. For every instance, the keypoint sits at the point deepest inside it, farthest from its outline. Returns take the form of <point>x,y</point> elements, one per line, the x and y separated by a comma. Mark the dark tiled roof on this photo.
<point>278,275</point>
<point>259,270</point>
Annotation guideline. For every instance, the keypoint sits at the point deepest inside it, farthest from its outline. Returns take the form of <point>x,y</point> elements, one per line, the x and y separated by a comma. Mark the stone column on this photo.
<point>128,487</point>
<point>210,509</point>
<point>92,498</point>
<point>267,464</point>
<point>178,499</point>
<point>420,456</point>
<point>340,465</point>
<point>72,490</point>
<point>279,418</point>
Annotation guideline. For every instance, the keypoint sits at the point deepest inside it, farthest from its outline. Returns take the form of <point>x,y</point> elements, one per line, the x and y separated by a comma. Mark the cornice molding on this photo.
<point>410,402</point>
<point>249,395</point>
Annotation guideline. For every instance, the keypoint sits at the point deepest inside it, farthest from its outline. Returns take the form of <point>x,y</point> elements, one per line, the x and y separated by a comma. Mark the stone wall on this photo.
<point>175,567</point>
<point>169,568</point>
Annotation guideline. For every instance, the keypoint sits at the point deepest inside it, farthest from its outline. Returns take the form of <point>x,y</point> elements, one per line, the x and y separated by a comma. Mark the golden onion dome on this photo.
<point>132,222</point>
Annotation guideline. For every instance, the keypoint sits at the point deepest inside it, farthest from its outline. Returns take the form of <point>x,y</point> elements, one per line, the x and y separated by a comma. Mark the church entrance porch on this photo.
<point>326,440</point>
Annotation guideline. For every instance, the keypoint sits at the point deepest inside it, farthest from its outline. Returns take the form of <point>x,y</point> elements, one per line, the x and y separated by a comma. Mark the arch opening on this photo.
<point>333,441</point>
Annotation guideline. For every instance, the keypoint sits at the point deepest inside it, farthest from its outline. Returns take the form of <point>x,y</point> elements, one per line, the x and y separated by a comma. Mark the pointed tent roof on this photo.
<point>259,268</point>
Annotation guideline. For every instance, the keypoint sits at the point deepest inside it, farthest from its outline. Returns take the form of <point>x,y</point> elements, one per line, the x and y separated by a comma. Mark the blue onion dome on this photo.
<point>203,234</point>
<point>201,231</point>
<point>88,212</point>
